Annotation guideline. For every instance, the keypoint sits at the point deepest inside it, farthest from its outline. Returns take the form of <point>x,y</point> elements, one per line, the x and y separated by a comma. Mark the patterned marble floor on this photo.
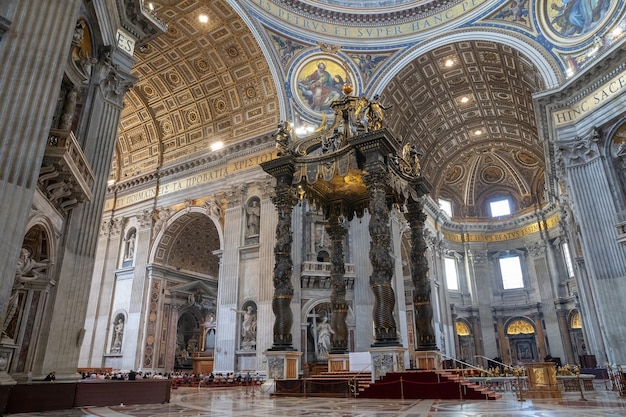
<point>236,402</point>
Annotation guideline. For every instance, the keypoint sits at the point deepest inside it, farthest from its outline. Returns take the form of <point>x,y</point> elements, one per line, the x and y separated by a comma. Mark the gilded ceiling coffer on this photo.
<point>347,166</point>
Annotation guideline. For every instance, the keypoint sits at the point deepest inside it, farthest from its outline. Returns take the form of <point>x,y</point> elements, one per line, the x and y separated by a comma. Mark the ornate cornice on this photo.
<point>138,21</point>
<point>247,147</point>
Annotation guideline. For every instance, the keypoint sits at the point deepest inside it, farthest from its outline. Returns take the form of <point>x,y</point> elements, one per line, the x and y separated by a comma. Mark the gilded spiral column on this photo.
<point>283,288</point>
<point>385,333</point>
<point>422,303</point>
<point>337,233</point>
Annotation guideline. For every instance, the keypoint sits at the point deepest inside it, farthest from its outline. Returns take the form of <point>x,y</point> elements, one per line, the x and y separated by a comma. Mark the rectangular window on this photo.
<point>568,260</point>
<point>511,271</point>
<point>452,278</point>
<point>446,206</point>
<point>500,208</point>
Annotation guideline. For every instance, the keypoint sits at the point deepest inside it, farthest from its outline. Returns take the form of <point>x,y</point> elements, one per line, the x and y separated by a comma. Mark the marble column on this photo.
<point>385,332</point>
<point>426,338</point>
<point>337,233</point>
<point>32,60</point>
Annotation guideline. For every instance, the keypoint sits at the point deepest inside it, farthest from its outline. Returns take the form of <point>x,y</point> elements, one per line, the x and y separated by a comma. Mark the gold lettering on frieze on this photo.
<point>503,236</point>
<point>191,181</point>
<point>608,90</point>
<point>384,31</point>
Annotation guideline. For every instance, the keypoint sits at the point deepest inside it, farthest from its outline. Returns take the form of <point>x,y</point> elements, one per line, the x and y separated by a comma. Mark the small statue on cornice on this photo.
<point>411,155</point>
<point>284,138</point>
<point>375,114</point>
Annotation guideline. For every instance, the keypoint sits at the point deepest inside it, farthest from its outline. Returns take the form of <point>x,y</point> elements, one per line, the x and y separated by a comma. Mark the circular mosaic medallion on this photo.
<point>319,81</point>
<point>574,21</point>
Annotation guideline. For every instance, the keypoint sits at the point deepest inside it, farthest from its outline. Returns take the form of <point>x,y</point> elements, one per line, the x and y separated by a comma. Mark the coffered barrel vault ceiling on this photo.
<point>472,118</point>
<point>468,107</point>
<point>199,83</point>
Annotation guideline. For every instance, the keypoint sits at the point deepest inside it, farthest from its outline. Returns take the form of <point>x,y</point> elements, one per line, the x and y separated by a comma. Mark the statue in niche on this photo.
<point>324,334</point>
<point>248,328</point>
<point>253,212</point>
<point>27,270</point>
<point>118,334</point>
<point>129,252</point>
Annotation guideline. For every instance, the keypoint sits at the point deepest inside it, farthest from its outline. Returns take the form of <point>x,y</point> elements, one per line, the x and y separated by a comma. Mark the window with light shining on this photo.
<point>452,278</point>
<point>568,260</point>
<point>446,206</point>
<point>500,208</point>
<point>511,272</point>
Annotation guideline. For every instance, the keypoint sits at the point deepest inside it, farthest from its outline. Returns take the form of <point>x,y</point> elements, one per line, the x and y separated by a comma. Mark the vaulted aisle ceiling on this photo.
<point>467,105</point>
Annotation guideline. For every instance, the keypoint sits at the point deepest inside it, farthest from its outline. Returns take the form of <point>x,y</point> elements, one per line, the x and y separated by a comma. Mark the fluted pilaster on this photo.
<point>82,229</point>
<point>31,79</point>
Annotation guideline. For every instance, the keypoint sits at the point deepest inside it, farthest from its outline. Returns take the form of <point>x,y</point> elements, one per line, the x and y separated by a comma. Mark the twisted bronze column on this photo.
<point>337,232</point>
<point>419,273</point>
<point>283,288</point>
<point>385,333</point>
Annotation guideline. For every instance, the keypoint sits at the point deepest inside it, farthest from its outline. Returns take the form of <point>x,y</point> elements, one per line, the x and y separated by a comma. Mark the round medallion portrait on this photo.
<point>318,81</point>
<point>573,21</point>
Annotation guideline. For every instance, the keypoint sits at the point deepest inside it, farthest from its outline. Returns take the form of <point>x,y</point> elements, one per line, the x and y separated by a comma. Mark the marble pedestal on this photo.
<point>387,359</point>
<point>283,364</point>
<point>6,356</point>
<point>427,359</point>
<point>338,362</point>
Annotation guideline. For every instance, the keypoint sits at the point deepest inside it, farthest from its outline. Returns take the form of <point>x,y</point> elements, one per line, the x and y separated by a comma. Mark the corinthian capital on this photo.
<point>580,150</point>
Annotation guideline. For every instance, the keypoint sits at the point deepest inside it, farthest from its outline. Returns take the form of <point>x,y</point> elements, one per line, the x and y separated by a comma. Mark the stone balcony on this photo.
<point>66,177</point>
<point>316,275</point>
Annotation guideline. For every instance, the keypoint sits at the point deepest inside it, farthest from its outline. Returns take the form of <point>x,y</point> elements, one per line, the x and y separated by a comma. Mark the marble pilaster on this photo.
<point>363,297</point>
<point>605,258</point>
<point>82,229</point>
<point>480,273</point>
<point>31,77</point>
<point>227,334</point>
<point>266,267</point>
<point>102,285</point>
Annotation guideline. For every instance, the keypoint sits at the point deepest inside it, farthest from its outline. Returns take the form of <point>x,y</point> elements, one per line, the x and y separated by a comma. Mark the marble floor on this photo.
<point>237,402</point>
